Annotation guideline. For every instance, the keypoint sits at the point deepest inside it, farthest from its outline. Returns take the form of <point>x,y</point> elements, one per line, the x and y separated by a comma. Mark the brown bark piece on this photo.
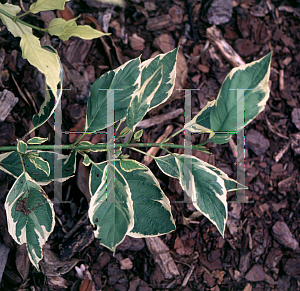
<point>159,22</point>
<point>164,43</point>
<point>283,235</point>
<point>162,257</point>
<point>292,268</point>
<point>255,274</point>
<point>7,103</point>
<point>257,142</point>
<point>136,42</point>
<point>245,47</point>
<point>273,258</point>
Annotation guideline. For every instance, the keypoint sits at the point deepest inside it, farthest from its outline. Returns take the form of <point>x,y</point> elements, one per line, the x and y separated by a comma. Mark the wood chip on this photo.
<point>7,103</point>
<point>4,250</point>
<point>215,36</point>
<point>164,43</point>
<point>283,235</point>
<point>162,257</point>
<point>159,22</point>
<point>156,120</point>
<point>255,274</point>
<point>136,42</point>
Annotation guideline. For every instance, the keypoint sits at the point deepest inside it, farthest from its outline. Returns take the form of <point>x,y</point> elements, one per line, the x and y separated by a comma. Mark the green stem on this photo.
<point>142,152</point>
<point>179,131</point>
<point>96,146</point>
<point>16,19</point>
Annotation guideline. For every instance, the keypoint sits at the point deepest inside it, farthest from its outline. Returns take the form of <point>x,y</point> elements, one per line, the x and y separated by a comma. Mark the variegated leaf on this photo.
<point>168,165</point>
<point>128,165</point>
<point>21,147</point>
<point>114,219</point>
<point>122,83</point>
<point>37,140</point>
<point>41,164</point>
<point>220,115</point>
<point>230,184</point>
<point>206,189</point>
<point>168,61</point>
<point>150,204</point>
<point>30,216</point>
<point>10,163</point>
<point>141,101</point>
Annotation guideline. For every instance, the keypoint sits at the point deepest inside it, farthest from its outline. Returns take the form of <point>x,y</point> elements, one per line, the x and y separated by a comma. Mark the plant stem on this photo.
<point>179,131</point>
<point>142,152</point>
<point>16,19</point>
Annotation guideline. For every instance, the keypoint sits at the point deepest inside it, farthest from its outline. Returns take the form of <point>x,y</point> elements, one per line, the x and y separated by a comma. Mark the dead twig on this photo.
<point>216,38</point>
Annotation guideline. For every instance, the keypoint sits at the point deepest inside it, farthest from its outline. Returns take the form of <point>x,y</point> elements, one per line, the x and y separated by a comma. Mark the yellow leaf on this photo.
<point>16,28</point>
<point>45,5</point>
<point>46,62</point>
<point>65,29</point>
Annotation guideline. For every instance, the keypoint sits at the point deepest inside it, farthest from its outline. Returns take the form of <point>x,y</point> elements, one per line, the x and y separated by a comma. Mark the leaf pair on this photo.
<point>130,91</point>
<point>133,203</point>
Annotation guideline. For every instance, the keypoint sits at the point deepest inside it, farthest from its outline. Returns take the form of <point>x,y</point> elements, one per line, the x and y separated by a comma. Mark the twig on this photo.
<point>153,151</point>
<point>273,130</point>
<point>216,38</point>
<point>188,275</point>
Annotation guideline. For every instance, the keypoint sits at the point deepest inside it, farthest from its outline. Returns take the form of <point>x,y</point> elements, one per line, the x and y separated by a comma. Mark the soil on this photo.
<point>260,249</point>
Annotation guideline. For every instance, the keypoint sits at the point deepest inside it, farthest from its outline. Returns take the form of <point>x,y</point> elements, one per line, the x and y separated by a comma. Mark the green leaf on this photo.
<point>17,29</point>
<point>45,5</point>
<point>41,164</point>
<point>30,216</point>
<point>37,140</point>
<point>168,165</point>
<point>168,61</point>
<point>205,188</point>
<point>10,163</point>
<point>126,79</point>
<point>130,165</point>
<point>124,157</point>
<point>118,152</point>
<point>123,133</point>
<point>46,62</point>
<point>137,136</point>
<point>150,204</point>
<point>21,147</point>
<point>65,29</point>
<point>230,184</point>
<point>51,101</point>
<point>141,101</point>
<point>114,220</point>
<point>86,160</point>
